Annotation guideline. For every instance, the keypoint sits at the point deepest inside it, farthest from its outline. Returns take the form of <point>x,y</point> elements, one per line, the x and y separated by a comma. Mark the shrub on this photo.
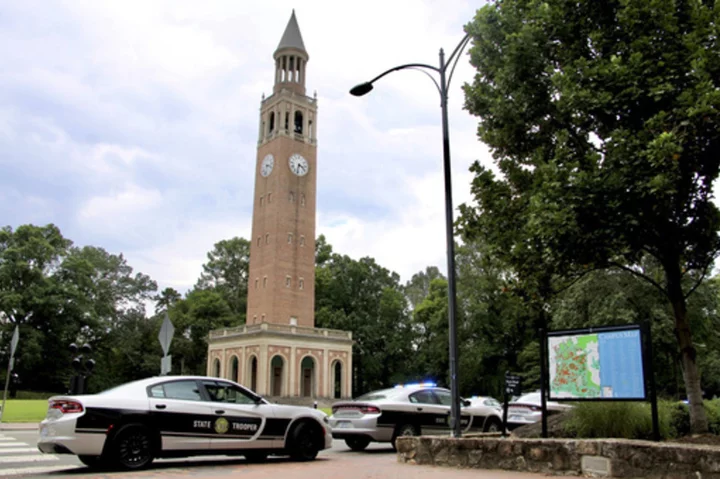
<point>712,408</point>
<point>679,418</point>
<point>629,420</point>
<point>34,395</point>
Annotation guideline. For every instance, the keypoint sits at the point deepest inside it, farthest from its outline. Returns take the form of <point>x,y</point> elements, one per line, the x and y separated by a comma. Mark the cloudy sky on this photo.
<point>132,125</point>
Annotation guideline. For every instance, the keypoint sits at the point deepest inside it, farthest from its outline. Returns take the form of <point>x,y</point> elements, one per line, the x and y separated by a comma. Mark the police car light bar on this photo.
<point>427,384</point>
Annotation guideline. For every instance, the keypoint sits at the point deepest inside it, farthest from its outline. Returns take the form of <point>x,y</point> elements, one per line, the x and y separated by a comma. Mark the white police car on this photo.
<point>406,410</point>
<point>126,427</point>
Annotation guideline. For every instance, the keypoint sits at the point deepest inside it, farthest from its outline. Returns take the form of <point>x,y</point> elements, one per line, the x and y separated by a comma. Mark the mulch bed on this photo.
<point>705,439</point>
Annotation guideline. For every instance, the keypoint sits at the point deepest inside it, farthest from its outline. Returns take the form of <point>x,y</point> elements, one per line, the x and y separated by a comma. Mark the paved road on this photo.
<point>19,458</point>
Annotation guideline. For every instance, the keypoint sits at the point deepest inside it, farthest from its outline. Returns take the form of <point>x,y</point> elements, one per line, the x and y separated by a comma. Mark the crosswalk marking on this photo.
<point>33,458</point>
<point>36,470</point>
<point>17,459</point>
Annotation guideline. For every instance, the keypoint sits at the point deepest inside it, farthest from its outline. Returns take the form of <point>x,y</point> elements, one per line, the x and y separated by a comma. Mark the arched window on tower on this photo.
<point>287,120</point>
<point>271,125</point>
<point>298,122</point>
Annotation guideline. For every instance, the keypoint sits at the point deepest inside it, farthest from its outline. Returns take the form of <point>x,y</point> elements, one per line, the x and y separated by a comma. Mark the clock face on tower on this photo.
<point>267,165</point>
<point>298,165</point>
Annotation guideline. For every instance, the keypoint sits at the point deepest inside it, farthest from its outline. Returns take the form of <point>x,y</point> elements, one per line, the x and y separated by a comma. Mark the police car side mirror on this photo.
<point>466,403</point>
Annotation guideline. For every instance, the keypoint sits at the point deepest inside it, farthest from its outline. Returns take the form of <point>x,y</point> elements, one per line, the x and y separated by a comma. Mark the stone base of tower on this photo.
<point>299,364</point>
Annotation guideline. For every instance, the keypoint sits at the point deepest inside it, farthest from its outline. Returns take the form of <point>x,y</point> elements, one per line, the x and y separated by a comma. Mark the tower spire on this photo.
<point>292,38</point>
<point>291,59</point>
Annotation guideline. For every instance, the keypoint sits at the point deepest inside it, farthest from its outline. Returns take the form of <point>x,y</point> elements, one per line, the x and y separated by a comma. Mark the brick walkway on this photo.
<point>331,465</point>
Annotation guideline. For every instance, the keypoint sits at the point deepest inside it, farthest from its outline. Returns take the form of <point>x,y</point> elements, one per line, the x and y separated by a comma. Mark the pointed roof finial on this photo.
<point>292,37</point>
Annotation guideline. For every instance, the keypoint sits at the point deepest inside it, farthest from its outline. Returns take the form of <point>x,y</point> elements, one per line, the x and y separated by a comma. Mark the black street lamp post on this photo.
<point>365,88</point>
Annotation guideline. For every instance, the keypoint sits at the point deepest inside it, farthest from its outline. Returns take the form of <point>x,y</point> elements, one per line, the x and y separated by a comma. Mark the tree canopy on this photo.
<point>603,122</point>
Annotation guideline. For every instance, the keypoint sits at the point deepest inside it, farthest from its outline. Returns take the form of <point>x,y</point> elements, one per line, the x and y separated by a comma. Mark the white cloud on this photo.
<point>133,125</point>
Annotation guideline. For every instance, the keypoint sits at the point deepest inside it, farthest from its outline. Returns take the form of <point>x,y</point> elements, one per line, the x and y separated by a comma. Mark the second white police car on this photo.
<point>407,410</point>
<point>177,416</point>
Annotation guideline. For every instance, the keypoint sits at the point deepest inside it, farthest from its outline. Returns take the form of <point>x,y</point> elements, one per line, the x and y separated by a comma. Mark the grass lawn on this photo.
<point>34,410</point>
<point>24,410</point>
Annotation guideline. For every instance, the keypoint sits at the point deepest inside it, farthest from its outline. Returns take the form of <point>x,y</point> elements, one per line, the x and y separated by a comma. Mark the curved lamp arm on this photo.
<point>458,49</point>
<point>364,88</point>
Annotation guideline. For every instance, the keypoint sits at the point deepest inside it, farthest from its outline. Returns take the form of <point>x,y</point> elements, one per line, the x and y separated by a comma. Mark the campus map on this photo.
<point>596,365</point>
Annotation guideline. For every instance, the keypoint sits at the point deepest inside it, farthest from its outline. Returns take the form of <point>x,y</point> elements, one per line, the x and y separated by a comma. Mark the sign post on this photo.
<point>512,388</point>
<point>11,364</point>
<point>166,334</point>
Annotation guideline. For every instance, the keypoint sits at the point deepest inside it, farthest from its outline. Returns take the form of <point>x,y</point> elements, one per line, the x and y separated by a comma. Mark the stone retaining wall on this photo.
<point>599,457</point>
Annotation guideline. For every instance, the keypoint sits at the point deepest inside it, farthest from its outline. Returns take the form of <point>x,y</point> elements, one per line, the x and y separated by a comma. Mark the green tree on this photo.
<point>59,294</point>
<point>418,287</point>
<point>166,299</point>
<point>602,118</point>
<point>494,323</point>
<point>430,319</point>
<point>226,271</point>
<point>362,297</point>
<point>202,311</point>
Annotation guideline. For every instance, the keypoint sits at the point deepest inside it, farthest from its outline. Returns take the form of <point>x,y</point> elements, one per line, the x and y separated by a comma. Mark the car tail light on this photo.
<point>364,408</point>
<point>369,409</point>
<point>66,407</point>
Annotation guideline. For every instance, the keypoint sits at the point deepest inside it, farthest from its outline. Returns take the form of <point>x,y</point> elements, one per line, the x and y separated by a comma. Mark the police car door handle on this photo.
<point>160,406</point>
<point>219,411</point>
<point>419,409</point>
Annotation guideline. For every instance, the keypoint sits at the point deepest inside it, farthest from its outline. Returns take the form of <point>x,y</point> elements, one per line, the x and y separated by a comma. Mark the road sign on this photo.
<point>14,341</point>
<point>512,385</point>
<point>166,334</point>
<point>165,365</point>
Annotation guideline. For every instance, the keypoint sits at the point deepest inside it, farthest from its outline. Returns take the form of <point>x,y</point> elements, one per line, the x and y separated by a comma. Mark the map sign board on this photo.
<point>596,364</point>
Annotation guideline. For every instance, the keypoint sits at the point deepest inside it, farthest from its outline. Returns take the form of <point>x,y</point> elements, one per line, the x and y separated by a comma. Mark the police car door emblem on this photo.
<point>221,425</point>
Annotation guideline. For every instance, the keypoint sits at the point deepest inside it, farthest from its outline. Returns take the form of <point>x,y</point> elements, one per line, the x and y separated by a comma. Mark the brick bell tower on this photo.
<point>279,352</point>
<point>282,254</point>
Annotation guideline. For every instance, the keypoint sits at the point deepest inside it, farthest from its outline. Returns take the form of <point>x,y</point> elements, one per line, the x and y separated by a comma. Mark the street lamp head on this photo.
<point>361,89</point>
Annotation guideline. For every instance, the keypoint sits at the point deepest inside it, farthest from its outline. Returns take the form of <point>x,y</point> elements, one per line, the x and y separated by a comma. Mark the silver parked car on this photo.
<point>527,409</point>
<point>178,416</point>
<point>409,410</point>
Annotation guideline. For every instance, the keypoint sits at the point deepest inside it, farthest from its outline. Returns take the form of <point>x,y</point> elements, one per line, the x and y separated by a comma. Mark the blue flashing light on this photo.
<point>426,384</point>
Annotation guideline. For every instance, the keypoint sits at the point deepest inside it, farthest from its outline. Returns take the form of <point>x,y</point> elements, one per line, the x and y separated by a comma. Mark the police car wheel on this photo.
<point>305,442</point>
<point>357,443</point>
<point>404,430</point>
<point>255,456</point>
<point>493,425</point>
<point>132,447</point>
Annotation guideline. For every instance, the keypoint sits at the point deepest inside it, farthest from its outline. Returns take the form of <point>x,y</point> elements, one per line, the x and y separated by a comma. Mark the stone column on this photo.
<point>292,391</point>
<point>348,376</point>
<point>262,370</point>
<point>326,369</point>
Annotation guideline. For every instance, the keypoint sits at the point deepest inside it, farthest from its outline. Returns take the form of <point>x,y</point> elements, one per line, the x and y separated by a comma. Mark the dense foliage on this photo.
<point>603,122</point>
<point>58,294</point>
